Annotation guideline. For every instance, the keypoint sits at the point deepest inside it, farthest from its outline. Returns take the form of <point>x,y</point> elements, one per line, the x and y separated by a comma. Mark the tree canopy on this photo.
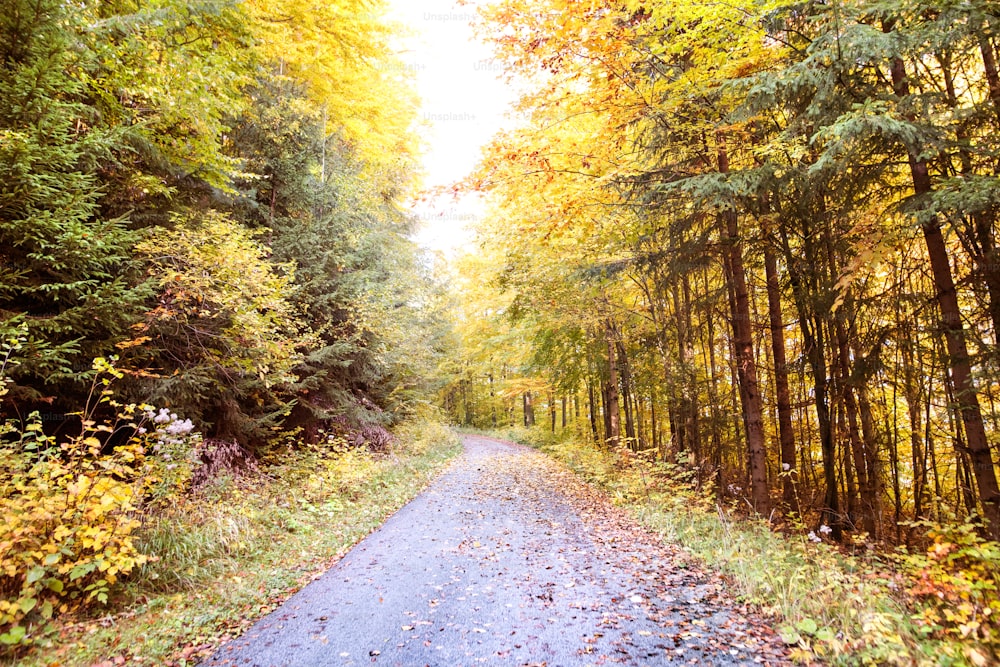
<point>761,236</point>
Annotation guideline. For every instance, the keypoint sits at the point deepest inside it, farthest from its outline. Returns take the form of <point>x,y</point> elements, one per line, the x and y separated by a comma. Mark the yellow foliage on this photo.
<point>68,512</point>
<point>340,51</point>
<point>957,585</point>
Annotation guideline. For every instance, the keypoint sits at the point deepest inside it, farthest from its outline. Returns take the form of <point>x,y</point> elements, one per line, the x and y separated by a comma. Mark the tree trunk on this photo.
<point>593,412</point>
<point>493,402</point>
<point>746,365</point>
<point>552,412</point>
<point>654,425</point>
<point>786,436</point>
<point>628,396</point>
<point>860,449</point>
<point>813,344</point>
<point>954,330</point>
<point>613,417</point>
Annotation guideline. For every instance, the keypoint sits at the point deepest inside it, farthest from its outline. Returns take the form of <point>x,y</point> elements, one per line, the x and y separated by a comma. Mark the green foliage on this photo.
<point>225,333</point>
<point>129,130</point>
<point>359,281</point>
<point>65,268</point>
<point>170,74</point>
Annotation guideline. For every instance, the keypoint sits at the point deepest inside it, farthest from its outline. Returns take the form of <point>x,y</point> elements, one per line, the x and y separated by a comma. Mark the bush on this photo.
<point>68,510</point>
<point>956,586</point>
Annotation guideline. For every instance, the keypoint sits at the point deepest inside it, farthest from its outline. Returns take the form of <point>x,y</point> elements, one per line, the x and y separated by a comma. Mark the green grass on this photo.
<point>233,552</point>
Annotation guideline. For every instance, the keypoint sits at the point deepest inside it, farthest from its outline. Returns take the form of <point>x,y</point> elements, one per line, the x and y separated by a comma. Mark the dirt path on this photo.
<point>507,559</point>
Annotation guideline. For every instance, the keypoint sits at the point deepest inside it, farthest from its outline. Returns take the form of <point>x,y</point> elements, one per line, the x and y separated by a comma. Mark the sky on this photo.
<point>464,103</point>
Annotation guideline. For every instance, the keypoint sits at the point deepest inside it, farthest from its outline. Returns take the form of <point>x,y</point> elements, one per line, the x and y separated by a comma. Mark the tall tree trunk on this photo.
<point>552,411</point>
<point>613,418</point>
<point>465,403</point>
<point>869,433</point>
<point>980,241</point>
<point>912,380</point>
<point>713,383</point>
<point>954,330</point>
<point>786,436</point>
<point>964,476</point>
<point>746,364</point>
<point>493,402</point>
<point>859,447</point>
<point>691,412</point>
<point>654,425</point>
<point>593,412</point>
<point>628,395</point>
<point>813,342</point>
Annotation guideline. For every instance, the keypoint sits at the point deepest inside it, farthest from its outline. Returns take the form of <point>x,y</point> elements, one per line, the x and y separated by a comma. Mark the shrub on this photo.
<point>956,586</point>
<point>68,510</point>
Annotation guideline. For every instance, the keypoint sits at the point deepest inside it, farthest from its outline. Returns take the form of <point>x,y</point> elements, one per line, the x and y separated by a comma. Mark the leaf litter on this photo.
<point>509,558</point>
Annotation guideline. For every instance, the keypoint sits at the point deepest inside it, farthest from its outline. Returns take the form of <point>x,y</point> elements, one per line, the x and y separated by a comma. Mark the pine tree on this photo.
<point>64,269</point>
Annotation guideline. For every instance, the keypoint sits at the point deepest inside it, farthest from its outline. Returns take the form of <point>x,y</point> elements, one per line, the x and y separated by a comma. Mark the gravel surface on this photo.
<point>508,559</point>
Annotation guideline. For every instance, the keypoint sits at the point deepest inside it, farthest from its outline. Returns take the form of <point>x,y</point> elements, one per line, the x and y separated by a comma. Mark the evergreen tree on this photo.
<point>64,268</point>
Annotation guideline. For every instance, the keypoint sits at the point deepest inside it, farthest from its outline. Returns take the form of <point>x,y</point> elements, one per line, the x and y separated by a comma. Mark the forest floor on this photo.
<point>509,558</point>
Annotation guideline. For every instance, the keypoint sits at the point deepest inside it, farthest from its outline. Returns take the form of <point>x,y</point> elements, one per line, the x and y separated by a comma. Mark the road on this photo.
<point>508,559</point>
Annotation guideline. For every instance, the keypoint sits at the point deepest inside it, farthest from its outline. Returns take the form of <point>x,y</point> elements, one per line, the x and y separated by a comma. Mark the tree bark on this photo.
<point>813,343</point>
<point>786,436</point>
<point>628,395</point>
<point>552,412</point>
<point>593,412</point>
<point>746,365</point>
<point>613,418</point>
<point>966,396</point>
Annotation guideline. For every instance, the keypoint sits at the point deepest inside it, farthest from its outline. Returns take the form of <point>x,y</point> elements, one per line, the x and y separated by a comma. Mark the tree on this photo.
<point>66,269</point>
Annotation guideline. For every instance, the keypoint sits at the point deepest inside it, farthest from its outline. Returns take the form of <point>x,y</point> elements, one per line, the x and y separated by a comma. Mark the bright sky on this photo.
<point>464,104</point>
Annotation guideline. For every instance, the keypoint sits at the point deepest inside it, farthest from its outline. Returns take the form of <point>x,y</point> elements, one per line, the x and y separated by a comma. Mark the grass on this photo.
<point>236,550</point>
<point>829,604</point>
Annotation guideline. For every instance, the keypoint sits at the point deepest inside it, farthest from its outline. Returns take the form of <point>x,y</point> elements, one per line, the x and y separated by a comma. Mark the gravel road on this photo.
<point>507,559</point>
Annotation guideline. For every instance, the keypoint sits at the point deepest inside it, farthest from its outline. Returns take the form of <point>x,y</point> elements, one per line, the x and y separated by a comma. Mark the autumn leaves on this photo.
<point>786,214</point>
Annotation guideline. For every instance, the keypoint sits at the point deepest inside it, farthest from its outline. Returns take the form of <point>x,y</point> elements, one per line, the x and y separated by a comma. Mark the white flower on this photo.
<point>826,530</point>
<point>813,537</point>
<point>786,467</point>
<point>179,427</point>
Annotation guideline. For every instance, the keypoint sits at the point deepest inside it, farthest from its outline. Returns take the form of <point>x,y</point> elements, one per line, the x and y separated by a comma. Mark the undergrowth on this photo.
<point>939,606</point>
<point>224,555</point>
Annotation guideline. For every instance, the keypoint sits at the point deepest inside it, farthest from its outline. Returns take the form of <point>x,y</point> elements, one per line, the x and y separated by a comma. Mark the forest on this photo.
<point>204,264</point>
<point>753,246</point>
<point>740,257</point>
<point>761,239</point>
